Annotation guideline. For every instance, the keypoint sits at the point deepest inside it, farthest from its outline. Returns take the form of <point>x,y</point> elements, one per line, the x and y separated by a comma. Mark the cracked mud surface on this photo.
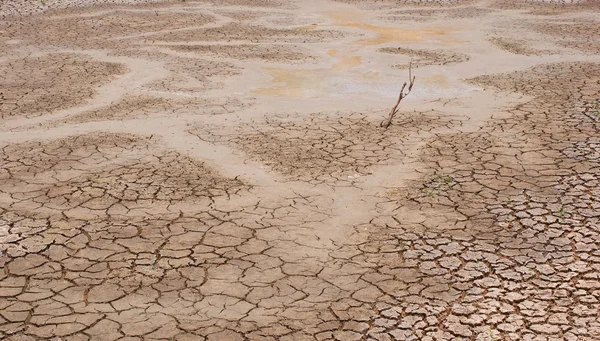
<point>319,148</point>
<point>578,36</point>
<point>426,58</point>
<point>41,85</point>
<point>215,170</point>
<point>516,46</point>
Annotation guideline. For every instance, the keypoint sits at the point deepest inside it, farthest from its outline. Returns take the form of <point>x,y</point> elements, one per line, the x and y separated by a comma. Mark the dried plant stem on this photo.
<point>411,81</point>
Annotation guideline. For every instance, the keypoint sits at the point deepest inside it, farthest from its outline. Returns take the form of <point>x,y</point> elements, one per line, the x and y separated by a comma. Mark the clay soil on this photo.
<point>215,170</point>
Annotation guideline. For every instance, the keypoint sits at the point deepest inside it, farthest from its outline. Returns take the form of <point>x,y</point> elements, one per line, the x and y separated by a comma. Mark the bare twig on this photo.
<point>388,122</point>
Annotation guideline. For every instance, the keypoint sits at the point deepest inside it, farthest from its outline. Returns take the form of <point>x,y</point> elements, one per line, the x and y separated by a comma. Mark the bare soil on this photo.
<point>215,170</point>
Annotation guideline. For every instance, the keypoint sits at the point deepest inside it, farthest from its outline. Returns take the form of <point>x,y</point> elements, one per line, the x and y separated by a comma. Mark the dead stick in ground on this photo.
<point>388,122</point>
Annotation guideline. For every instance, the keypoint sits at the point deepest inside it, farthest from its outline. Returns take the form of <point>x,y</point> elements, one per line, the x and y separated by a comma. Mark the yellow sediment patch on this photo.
<point>346,62</point>
<point>437,80</point>
<point>318,82</point>
<point>355,19</point>
<point>310,82</point>
<point>391,34</point>
<point>293,83</point>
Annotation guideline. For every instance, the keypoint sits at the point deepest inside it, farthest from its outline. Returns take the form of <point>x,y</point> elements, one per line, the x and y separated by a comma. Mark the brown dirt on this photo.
<point>34,86</point>
<point>215,170</point>
<point>425,57</point>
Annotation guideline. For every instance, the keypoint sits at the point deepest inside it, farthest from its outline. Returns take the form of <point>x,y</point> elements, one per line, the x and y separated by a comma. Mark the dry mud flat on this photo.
<point>215,170</point>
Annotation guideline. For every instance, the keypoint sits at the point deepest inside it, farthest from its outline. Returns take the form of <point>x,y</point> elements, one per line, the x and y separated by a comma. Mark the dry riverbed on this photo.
<point>215,170</point>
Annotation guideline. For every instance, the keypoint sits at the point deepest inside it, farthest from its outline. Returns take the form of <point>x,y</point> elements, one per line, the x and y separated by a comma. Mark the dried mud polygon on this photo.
<point>35,86</point>
<point>438,228</point>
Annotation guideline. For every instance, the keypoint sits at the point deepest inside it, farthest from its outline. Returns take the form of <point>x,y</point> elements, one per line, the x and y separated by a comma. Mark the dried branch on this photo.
<point>388,122</point>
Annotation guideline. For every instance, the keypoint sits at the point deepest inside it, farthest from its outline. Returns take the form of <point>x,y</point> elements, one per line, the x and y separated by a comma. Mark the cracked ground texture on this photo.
<point>37,85</point>
<point>216,170</point>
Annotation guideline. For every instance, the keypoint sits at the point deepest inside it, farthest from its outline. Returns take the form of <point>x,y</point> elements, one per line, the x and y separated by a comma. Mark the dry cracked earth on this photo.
<point>215,170</point>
